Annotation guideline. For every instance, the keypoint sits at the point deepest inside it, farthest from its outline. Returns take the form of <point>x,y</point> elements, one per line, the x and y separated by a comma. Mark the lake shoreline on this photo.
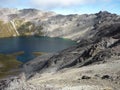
<point>13,71</point>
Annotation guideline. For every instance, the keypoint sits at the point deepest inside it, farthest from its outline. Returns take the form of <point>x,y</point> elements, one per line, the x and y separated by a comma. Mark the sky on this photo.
<point>65,6</point>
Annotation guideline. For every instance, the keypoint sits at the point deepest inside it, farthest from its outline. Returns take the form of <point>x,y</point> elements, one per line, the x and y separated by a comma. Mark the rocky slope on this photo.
<point>93,64</point>
<point>15,22</point>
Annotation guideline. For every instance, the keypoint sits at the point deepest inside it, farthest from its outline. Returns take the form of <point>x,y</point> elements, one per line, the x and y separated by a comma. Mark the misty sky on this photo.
<point>65,6</point>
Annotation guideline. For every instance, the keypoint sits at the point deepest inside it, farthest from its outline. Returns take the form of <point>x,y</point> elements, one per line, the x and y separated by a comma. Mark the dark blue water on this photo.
<point>32,44</point>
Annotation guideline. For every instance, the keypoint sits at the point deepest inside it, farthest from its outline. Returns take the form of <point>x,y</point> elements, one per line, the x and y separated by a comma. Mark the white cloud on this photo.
<point>49,4</point>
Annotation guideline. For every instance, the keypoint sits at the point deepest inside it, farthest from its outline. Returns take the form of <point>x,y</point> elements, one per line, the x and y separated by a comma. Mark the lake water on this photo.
<point>32,44</point>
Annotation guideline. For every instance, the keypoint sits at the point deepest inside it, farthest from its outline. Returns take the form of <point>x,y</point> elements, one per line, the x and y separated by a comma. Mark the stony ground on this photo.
<point>96,77</point>
<point>105,76</point>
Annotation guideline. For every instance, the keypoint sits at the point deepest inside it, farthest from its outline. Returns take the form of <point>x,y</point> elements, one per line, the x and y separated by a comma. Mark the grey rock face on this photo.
<point>71,26</point>
<point>27,14</point>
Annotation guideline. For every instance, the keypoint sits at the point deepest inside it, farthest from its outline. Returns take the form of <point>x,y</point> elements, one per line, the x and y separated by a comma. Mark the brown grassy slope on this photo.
<point>8,63</point>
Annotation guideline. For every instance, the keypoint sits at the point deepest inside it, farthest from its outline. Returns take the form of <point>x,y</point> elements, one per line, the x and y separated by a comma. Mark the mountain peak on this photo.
<point>103,13</point>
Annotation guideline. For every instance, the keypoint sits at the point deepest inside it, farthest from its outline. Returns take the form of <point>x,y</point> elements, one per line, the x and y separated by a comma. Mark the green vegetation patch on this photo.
<point>38,53</point>
<point>29,28</point>
<point>23,27</point>
<point>5,30</point>
<point>7,64</point>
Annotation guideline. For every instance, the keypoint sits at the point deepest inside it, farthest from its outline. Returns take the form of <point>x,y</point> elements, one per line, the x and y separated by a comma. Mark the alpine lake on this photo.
<point>15,51</point>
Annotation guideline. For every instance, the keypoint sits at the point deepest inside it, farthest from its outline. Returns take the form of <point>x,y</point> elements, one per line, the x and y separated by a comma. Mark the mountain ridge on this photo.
<point>50,24</point>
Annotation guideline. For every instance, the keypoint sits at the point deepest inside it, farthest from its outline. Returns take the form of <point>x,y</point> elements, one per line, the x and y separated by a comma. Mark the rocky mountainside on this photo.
<point>93,64</point>
<point>15,22</point>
